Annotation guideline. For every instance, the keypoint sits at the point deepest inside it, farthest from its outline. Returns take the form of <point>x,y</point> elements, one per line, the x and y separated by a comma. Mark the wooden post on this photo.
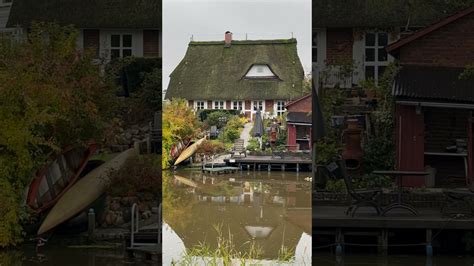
<point>283,167</point>
<point>269,167</point>
<point>91,223</point>
<point>339,242</point>
<point>297,167</point>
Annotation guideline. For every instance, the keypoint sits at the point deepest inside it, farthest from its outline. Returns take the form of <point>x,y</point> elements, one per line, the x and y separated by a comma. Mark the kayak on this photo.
<point>186,181</point>
<point>83,193</point>
<point>188,152</point>
<point>55,178</point>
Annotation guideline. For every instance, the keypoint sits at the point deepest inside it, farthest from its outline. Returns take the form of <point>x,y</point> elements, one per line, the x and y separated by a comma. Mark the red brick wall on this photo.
<point>451,45</point>
<point>301,106</point>
<point>151,43</point>
<point>339,46</point>
<point>191,103</point>
<point>92,41</point>
<point>228,105</point>
<point>268,105</point>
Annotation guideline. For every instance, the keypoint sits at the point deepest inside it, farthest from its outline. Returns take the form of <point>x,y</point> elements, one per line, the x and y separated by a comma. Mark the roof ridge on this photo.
<point>427,30</point>
<point>246,42</point>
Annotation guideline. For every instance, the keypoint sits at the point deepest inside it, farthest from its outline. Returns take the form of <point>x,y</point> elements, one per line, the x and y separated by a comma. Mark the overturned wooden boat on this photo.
<point>189,151</point>
<point>83,193</point>
<point>55,178</point>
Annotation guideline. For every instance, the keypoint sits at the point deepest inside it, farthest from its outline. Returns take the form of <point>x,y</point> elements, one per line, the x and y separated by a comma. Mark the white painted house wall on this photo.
<point>321,54</point>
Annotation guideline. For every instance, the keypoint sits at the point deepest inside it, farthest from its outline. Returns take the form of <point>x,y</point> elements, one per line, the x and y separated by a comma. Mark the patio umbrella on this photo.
<point>258,130</point>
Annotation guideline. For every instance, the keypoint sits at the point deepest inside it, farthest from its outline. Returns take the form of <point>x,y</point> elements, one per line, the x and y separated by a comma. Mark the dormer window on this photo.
<point>260,71</point>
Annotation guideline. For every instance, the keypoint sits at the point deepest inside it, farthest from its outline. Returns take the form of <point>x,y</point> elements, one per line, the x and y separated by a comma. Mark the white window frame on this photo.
<point>376,63</point>
<point>218,106</point>
<point>276,108</point>
<point>121,48</point>
<point>262,104</point>
<point>195,105</point>
<point>240,106</point>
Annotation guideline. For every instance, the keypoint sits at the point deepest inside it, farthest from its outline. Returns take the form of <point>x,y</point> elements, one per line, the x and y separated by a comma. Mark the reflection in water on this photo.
<point>264,216</point>
<point>327,259</point>
<point>57,254</point>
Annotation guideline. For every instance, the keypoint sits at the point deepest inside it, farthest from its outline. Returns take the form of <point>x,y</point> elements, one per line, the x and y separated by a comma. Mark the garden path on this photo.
<point>245,134</point>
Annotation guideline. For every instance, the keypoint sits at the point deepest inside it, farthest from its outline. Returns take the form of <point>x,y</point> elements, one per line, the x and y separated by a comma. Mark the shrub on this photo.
<point>140,173</point>
<point>213,119</point>
<point>253,145</point>
<point>231,134</point>
<point>211,147</point>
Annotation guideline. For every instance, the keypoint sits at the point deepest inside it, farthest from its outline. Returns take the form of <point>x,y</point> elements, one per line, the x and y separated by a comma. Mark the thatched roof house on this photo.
<point>242,75</point>
<point>116,28</point>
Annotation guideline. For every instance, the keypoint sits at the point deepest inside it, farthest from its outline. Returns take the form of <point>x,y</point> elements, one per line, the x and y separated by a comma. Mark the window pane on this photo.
<point>382,55</point>
<point>127,40</point>
<point>315,39</point>
<point>127,52</point>
<point>370,39</point>
<point>383,39</point>
<point>115,41</point>
<point>381,70</point>
<point>369,54</point>
<point>369,72</point>
<point>114,53</point>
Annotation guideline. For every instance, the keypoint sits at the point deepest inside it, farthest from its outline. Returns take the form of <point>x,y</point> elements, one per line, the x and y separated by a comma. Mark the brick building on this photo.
<point>298,123</point>
<point>349,37</point>
<point>435,100</point>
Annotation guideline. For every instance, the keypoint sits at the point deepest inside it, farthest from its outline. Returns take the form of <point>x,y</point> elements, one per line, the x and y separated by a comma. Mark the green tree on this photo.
<point>51,95</point>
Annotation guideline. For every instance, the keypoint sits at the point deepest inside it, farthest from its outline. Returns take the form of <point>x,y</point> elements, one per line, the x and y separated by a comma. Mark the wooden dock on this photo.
<point>269,163</point>
<point>220,170</point>
<point>331,221</point>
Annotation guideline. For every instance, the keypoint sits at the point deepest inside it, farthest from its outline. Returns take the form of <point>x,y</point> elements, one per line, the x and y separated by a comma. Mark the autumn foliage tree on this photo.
<point>51,95</point>
<point>179,124</point>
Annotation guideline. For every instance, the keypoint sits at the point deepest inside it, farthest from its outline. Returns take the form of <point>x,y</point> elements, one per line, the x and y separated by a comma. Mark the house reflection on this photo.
<point>247,212</point>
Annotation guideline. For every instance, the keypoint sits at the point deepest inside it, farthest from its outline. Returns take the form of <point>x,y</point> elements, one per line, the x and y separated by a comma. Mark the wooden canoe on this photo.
<point>55,178</point>
<point>83,193</point>
<point>189,151</point>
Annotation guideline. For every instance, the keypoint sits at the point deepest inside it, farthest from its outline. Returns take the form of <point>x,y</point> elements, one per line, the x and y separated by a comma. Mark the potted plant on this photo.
<point>369,87</point>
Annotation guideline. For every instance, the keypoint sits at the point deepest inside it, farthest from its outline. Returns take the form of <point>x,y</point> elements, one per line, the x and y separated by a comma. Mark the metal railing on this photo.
<point>135,227</point>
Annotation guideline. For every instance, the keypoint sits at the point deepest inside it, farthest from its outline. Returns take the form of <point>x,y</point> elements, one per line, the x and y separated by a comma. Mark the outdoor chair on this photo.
<point>459,197</point>
<point>359,197</point>
<point>214,133</point>
<point>238,148</point>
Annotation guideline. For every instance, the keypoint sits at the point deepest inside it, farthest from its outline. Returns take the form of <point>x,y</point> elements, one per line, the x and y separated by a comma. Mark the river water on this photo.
<point>256,217</point>
<point>327,259</point>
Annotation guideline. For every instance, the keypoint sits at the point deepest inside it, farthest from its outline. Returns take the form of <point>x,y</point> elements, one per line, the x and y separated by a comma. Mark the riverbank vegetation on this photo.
<point>53,95</point>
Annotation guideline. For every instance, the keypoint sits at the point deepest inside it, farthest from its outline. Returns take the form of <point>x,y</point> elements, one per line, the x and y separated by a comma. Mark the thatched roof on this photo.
<point>383,13</point>
<point>111,14</point>
<point>211,71</point>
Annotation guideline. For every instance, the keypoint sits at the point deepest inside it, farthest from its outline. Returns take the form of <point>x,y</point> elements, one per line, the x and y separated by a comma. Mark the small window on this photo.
<point>200,105</point>
<point>260,71</point>
<point>121,45</point>
<point>219,105</point>
<point>258,105</point>
<point>376,57</point>
<point>237,105</point>
<point>280,108</point>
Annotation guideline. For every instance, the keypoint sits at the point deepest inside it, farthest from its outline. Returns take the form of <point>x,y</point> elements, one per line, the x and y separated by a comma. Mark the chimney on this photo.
<point>228,38</point>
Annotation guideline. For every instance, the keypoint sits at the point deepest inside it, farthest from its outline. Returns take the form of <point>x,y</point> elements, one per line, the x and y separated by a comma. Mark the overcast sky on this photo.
<point>209,19</point>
